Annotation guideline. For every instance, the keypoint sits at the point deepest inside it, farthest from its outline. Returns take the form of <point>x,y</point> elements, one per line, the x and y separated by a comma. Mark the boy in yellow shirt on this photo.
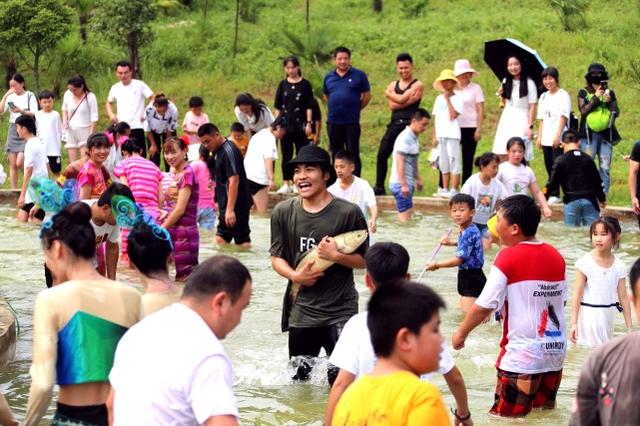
<point>403,321</point>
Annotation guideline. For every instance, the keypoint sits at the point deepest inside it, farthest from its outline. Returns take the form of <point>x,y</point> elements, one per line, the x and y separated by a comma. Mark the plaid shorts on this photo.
<point>517,393</point>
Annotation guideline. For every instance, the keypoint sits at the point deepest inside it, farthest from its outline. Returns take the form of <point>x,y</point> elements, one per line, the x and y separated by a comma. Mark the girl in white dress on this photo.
<point>600,287</point>
<point>518,178</point>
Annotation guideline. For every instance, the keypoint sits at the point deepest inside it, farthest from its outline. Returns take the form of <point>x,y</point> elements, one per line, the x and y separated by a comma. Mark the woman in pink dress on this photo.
<point>143,177</point>
<point>180,191</point>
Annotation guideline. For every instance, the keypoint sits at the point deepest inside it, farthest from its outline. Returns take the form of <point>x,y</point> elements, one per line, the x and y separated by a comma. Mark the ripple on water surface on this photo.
<point>259,350</point>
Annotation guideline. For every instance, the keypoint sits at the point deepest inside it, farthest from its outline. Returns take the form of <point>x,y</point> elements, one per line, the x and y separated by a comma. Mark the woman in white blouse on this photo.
<point>254,114</point>
<point>79,115</point>
<point>554,110</point>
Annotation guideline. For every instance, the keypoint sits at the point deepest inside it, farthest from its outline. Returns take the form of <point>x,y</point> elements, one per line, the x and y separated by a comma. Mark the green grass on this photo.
<point>192,57</point>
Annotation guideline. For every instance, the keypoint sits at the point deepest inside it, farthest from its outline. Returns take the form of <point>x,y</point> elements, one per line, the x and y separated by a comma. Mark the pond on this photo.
<point>258,349</point>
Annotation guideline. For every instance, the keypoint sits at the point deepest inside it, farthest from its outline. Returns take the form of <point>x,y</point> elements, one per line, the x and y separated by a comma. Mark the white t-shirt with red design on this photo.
<point>528,285</point>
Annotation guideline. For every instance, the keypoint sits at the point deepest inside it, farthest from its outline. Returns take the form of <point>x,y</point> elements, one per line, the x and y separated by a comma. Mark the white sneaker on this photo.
<point>553,200</point>
<point>452,192</point>
<point>447,193</point>
<point>440,193</point>
<point>283,189</point>
<point>293,189</point>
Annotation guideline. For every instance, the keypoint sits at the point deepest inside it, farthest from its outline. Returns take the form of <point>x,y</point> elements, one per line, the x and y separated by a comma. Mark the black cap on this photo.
<point>596,73</point>
<point>312,154</point>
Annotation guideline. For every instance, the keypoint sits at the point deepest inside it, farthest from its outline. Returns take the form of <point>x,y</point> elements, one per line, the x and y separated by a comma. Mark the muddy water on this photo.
<point>259,350</point>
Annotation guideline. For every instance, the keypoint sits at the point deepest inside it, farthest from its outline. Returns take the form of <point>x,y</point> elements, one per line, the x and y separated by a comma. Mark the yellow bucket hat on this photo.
<point>444,75</point>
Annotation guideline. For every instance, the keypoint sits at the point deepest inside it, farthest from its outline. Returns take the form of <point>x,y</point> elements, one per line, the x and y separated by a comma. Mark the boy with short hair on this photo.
<point>582,191</point>
<point>354,355</point>
<point>193,119</point>
<point>49,131</point>
<point>469,256</point>
<point>354,189</point>
<point>528,286</point>
<point>238,136</point>
<point>405,176</point>
<point>403,321</point>
<point>35,165</point>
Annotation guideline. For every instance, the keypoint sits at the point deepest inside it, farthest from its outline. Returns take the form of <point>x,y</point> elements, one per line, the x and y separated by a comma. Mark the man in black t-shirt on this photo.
<point>232,190</point>
<point>582,191</point>
<point>326,300</point>
<point>403,96</point>
<point>634,179</point>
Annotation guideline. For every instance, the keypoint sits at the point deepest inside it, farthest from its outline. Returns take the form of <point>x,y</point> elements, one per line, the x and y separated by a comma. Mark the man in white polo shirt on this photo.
<point>170,368</point>
<point>130,96</point>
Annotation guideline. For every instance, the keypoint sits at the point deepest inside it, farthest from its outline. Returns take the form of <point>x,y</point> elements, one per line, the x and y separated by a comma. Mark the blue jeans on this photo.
<point>595,146</point>
<point>580,212</point>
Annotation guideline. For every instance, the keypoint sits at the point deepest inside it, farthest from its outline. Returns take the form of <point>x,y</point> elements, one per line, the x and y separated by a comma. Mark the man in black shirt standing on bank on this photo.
<point>582,191</point>
<point>403,96</point>
<point>326,299</point>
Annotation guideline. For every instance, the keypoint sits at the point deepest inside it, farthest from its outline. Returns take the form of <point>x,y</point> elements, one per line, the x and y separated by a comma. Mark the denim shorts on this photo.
<point>206,218</point>
<point>403,202</point>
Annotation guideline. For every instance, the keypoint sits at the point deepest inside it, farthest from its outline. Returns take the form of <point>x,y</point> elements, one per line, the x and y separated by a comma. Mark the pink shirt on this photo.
<point>192,123</point>
<point>91,175</point>
<point>471,95</point>
<point>205,184</point>
<point>143,178</point>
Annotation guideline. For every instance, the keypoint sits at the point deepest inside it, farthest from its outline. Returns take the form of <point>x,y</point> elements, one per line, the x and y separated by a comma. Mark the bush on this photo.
<point>413,8</point>
<point>571,13</point>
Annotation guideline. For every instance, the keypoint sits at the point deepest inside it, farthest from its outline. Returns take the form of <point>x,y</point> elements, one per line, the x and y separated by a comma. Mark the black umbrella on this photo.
<point>498,52</point>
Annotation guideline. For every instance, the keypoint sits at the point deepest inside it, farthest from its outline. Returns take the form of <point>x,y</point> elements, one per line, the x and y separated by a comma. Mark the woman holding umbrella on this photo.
<point>519,95</point>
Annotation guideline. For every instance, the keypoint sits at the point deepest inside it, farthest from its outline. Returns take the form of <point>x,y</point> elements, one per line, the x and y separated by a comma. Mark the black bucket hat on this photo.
<point>312,154</point>
<point>596,73</point>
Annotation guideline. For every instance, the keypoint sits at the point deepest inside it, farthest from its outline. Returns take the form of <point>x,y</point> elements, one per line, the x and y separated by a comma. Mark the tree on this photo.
<point>126,23</point>
<point>235,32</point>
<point>32,28</point>
<point>377,6</point>
<point>308,14</point>
<point>8,60</point>
<point>205,8</point>
<point>84,9</point>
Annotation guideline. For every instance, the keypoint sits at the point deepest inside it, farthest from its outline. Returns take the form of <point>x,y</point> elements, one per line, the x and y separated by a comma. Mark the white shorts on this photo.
<point>77,137</point>
<point>450,156</point>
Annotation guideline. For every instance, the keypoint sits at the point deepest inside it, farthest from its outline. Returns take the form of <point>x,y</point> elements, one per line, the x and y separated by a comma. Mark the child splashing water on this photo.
<point>600,287</point>
<point>518,178</point>
<point>469,256</point>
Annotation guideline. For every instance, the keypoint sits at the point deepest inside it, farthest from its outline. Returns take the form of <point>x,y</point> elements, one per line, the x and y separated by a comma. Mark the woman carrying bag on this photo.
<point>599,109</point>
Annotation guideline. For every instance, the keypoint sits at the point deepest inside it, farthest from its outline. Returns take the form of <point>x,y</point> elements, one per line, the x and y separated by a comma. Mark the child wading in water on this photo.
<point>487,191</point>
<point>518,178</point>
<point>600,287</point>
<point>469,253</point>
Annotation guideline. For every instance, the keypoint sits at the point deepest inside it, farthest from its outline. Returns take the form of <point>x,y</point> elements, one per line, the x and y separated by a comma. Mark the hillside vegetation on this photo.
<point>193,56</point>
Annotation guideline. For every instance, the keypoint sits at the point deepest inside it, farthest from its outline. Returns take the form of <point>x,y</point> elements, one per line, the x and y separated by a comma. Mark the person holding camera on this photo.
<point>599,110</point>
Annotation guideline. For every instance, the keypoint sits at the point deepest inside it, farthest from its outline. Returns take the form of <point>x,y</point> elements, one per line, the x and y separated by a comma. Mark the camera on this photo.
<point>604,84</point>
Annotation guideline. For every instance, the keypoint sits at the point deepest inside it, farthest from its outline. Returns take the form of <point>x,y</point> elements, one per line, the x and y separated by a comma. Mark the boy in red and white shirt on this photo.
<point>527,285</point>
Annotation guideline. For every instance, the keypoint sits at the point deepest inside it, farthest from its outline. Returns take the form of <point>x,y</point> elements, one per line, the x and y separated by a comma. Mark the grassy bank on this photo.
<point>194,57</point>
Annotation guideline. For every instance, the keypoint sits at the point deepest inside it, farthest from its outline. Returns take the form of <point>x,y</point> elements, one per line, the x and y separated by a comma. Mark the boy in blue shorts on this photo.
<point>469,256</point>
<point>405,176</point>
